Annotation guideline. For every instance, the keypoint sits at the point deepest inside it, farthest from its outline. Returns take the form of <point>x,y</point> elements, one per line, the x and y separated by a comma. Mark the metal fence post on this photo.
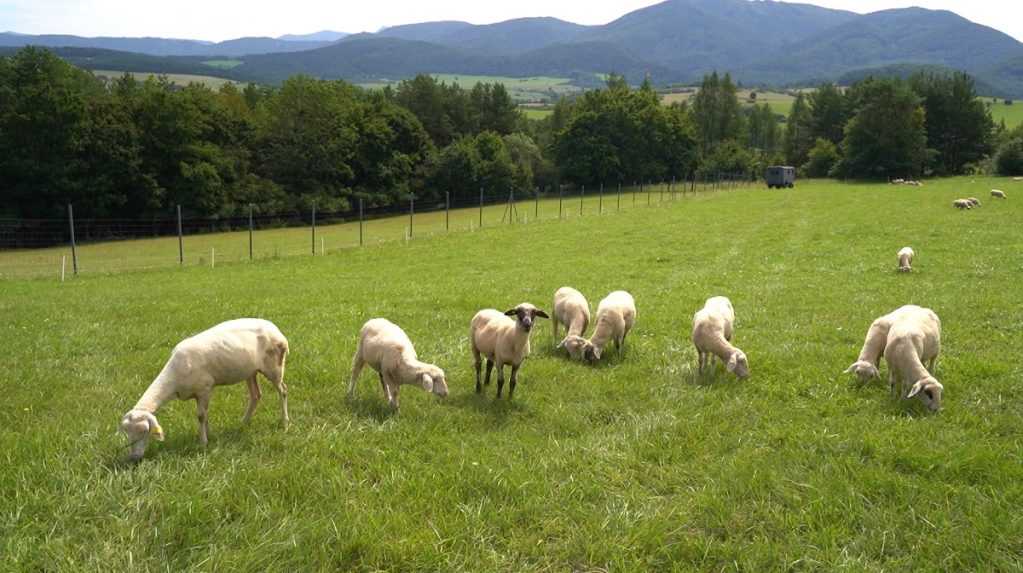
<point>647,194</point>
<point>314,229</point>
<point>600,204</point>
<point>561,195</point>
<point>181,243</point>
<point>250,231</point>
<point>481,207</point>
<point>582,197</point>
<point>447,210</point>
<point>74,247</point>
<point>411,213</point>
<point>536,210</point>
<point>360,221</point>
<point>619,195</point>
<point>634,186</point>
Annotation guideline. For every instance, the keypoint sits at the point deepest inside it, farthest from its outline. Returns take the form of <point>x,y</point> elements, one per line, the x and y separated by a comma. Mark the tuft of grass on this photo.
<point>636,464</point>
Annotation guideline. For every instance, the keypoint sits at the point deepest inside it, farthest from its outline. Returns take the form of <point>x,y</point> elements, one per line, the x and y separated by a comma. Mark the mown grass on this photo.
<point>637,464</point>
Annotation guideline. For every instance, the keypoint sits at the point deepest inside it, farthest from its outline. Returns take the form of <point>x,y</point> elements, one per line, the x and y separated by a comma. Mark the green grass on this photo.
<point>634,465</point>
<point>223,64</point>
<point>536,112</point>
<point>178,79</point>
<point>538,88</point>
<point>1011,114</point>
<point>780,103</point>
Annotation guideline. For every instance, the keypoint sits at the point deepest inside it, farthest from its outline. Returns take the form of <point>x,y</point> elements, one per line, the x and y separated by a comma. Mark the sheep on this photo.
<point>962,204</point>
<point>974,201</point>
<point>906,260</point>
<point>616,315</point>
<point>712,334</point>
<point>572,310</point>
<point>914,339</point>
<point>503,340</point>
<point>866,366</point>
<point>225,354</point>
<point>897,181</point>
<point>998,194</point>
<point>387,349</point>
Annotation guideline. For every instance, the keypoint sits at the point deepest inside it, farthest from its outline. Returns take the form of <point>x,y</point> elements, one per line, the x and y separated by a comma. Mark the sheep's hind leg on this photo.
<point>490,368</point>
<point>500,380</point>
<point>477,364</point>
<point>254,395</point>
<point>282,391</point>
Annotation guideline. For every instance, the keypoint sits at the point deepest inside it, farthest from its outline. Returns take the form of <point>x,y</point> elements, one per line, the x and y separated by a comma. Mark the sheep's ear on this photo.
<point>850,369</point>
<point>562,343</point>
<point>157,432</point>
<point>427,383</point>
<point>542,314</point>
<point>916,389</point>
<point>512,312</point>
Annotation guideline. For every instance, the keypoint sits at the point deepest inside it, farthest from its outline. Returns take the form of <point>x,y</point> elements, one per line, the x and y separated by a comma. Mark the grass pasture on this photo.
<point>538,88</point>
<point>1011,114</point>
<point>780,103</point>
<point>177,79</point>
<point>637,464</point>
<point>224,64</point>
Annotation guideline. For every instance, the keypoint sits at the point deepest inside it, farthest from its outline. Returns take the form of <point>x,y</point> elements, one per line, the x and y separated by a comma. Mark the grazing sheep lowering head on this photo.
<point>526,314</point>
<point>738,365</point>
<point>864,370</point>
<point>138,426</point>
<point>929,390</point>
<point>432,379</point>
<point>575,345</point>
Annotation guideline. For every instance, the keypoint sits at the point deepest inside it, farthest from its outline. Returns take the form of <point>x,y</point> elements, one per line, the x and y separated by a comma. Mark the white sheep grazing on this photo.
<point>225,354</point>
<point>503,338</point>
<point>713,327</point>
<point>974,201</point>
<point>962,204</point>
<point>998,194</point>
<point>387,349</point>
<point>572,310</point>
<point>914,339</point>
<point>616,315</point>
<point>906,260</point>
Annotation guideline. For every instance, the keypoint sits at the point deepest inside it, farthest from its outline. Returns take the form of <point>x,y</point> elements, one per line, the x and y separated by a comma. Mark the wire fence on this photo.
<point>67,247</point>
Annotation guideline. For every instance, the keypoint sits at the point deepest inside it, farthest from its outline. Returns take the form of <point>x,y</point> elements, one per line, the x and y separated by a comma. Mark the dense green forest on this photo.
<point>133,149</point>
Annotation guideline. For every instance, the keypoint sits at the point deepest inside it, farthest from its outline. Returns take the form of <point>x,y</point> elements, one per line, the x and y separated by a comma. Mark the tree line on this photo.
<point>135,149</point>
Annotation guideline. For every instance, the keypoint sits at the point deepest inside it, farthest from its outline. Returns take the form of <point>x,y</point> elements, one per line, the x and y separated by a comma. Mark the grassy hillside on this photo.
<point>781,103</point>
<point>635,464</point>
<point>179,79</point>
<point>521,89</point>
<point>1011,114</point>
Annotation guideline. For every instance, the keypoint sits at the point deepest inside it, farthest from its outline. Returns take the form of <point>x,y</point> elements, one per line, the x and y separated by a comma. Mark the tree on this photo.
<point>829,113</point>
<point>959,126</point>
<point>822,158</point>
<point>887,136</point>
<point>799,132</point>
<point>763,129</point>
<point>716,112</point>
<point>1009,159</point>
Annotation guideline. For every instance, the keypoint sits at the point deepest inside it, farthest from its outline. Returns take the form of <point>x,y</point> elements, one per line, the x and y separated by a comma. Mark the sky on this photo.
<point>218,20</point>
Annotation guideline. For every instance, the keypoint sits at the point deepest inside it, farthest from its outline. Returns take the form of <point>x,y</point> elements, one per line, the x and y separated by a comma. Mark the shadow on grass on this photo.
<point>374,408</point>
<point>487,403</point>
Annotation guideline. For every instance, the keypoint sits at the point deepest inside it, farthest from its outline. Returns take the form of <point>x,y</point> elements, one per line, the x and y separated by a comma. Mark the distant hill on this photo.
<point>323,36</point>
<point>911,35</point>
<point>162,46</point>
<point>760,42</point>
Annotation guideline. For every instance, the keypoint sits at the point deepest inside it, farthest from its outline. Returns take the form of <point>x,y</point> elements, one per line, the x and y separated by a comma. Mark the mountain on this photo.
<point>1006,78</point>
<point>425,32</point>
<point>512,37</point>
<point>696,36</point>
<point>112,60</point>
<point>323,36</point>
<point>162,46</point>
<point>909,35</point>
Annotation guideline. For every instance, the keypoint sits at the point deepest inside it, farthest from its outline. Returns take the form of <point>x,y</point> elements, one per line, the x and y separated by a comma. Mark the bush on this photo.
<point>1009,160</point>
<point>822,159</point>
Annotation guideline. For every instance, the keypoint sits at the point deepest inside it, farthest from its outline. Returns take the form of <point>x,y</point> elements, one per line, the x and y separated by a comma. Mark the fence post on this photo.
<point>181,243</point>
<point>600,205</point>
<point>660,192</point>
<point>74,247</point>
<point>536,209</point>
<point>647,194</point>
<point>561,195</point>
<point>582,197</point>
<point>360,221</point>
<point>634,186</point>
<point>447,210</point>
<point>481,207</point>
<point>411,213</point>
<point>250,231</point>
<point>314,229</point>
<point>672,188</point>
<point>619,195</point>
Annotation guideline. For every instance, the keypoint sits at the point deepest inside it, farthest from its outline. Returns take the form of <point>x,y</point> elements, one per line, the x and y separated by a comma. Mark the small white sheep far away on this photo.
<point>713,327</point>
<point>906,259</point>
<point>998,194</point>
<point>226,354</point>
<point>387,349</point>
<point>503,338</point>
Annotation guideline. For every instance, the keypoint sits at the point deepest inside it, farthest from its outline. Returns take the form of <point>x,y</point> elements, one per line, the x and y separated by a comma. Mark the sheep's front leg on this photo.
<point>394,396</point>
<point>500,378</point>
<point>702,360</point>
<point>202,405</point>
<point>383,384</point>
<point>893,381</point>
<point>478,363</point>
<point>514,380</point>
<point>282,391</point>
<point>490,368</point>
<point>254,395</point>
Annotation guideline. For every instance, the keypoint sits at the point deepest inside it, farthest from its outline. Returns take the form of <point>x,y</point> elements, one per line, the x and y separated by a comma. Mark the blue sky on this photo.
<point>224,19</point>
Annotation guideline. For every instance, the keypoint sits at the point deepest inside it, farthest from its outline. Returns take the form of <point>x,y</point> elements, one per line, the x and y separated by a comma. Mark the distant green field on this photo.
<point>536,112</point>
<point>521,89</point>
<point>779,102</point>
<point>223,64</point>
<point>1011,114</point>
<point>177,79</point>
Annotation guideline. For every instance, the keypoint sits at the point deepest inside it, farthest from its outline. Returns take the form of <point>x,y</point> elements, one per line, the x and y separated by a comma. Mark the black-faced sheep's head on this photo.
<point>929,391</point>
<point>525,314</point>
<point>138,426</point>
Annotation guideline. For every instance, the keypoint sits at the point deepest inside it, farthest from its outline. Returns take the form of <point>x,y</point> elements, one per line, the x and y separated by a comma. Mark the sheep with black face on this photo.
<point>503,338</point>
